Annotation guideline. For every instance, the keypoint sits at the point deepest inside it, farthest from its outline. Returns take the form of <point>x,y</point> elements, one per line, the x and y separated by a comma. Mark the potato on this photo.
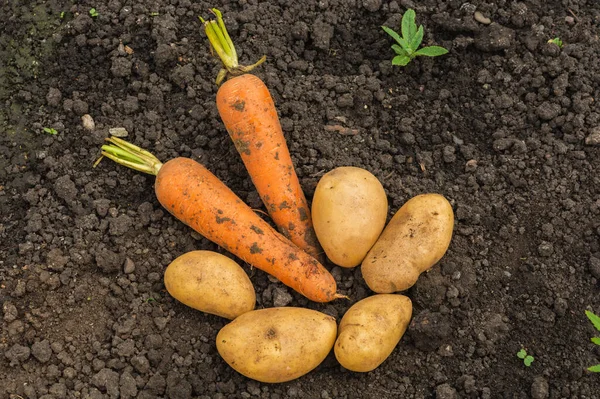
<point>349,210</point>
<point>277,344</point>
<point>370,330</point>
<point>210,282</point>
<point>415,239</point>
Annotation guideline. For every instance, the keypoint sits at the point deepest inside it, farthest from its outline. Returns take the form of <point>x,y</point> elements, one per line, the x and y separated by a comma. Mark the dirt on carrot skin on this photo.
<point>505,126</point>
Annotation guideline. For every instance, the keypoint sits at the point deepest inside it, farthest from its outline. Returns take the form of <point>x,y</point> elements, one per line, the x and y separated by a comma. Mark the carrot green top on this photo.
<point>221,43</point>
<point>130,155</point>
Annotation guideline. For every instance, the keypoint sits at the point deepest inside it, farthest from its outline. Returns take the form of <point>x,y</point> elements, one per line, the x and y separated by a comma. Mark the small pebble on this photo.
<point>471,165</point>
<point>479,17</point>
<point>88,122</point>
<point>569,20</point>
<point>121,48</point>
<point>129,266</point>
<point>118,132</point>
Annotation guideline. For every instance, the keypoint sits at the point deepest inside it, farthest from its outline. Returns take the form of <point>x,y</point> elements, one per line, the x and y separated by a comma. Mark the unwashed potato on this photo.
<point>210,282</point>
<point>370,330</point>
<point>415,239</point>
<point>277,344</point>
<point>349,210</point>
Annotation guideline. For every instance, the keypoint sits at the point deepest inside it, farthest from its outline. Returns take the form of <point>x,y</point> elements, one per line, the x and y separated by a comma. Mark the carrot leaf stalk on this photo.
<point>130,155</point>
<point>222,45</point>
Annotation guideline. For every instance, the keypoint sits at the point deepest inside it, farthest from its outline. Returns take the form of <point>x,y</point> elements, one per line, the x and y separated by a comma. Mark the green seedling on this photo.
<point>93,12</point>
<point>408,45</point>
<point>556,41</point>
<point>527,359</point>
<point>154,14</point>
<point>596,340</point>
<point>62,14</point>
<point>50,130</point>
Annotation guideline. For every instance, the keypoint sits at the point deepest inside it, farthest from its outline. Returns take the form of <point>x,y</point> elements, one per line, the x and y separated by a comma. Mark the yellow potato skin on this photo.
<point>349,210</point>
<point>370,330</point>
<point>210,282</point>
<point>277,344</point>
<point>416,238</point>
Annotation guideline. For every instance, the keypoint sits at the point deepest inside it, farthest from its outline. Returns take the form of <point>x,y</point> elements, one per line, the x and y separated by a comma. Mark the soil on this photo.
<point>506,126</point>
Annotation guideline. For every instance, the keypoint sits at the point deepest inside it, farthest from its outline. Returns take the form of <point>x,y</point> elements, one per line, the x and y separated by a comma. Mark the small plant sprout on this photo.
<point>527,359</point>
<point>556,41</point>
<point>408,45</point>
<point>154,14</point>
<point>596,340</point>
<point>50,130</point>
<point>93,12</point>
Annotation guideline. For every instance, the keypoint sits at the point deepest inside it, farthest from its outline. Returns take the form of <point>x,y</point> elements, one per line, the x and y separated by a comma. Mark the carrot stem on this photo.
<point>221,43</point>
<point>130,155</point>
<point>225,34</point>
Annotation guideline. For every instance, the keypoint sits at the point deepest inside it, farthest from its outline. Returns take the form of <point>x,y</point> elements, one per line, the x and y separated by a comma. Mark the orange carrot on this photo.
<point>249,115</point>
<point>195,196</point>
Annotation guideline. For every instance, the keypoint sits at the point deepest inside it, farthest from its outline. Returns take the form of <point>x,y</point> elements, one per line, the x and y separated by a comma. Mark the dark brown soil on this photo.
<point>506,126</point>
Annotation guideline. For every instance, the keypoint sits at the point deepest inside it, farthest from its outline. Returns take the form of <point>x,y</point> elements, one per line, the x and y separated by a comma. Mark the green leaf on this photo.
<point>401,60</point>
<point>404,43</point>
<point>521,354</point>
<point>417,39</point>
<point>399,50</point>
<point>528,360</point>
<point>556,41</point>
<point>596,340</point>
<point>409,28</point>
<point>392,33</point>
<point>50,130</point>
<point>595,369</point>
<point>401,41</point>
<point>432,51</point>
<point>594,319</point>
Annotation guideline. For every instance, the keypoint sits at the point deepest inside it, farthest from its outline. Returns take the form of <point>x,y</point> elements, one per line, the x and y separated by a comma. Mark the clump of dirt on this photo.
<point>506,126</point>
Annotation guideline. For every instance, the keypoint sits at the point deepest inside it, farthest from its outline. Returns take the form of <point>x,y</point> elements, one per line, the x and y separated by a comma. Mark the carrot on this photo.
<point>195,196</point>
<point>249,115</point>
